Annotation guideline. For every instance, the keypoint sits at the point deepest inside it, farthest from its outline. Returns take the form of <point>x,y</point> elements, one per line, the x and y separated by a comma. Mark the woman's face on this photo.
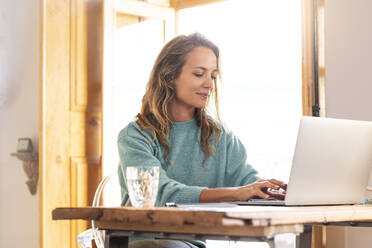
<point>195,83</point>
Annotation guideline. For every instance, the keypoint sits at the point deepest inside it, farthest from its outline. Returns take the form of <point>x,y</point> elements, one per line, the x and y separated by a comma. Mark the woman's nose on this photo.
<point>208,83</point>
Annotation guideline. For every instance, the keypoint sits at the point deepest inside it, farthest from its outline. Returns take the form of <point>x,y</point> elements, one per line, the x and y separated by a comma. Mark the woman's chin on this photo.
<point>201,106</point>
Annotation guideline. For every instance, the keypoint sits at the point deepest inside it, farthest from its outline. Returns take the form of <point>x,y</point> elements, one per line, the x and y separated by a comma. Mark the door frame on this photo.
<point>112,12</point>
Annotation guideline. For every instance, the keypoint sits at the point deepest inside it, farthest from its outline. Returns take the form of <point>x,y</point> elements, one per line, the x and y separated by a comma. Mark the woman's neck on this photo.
<point>181,114</point>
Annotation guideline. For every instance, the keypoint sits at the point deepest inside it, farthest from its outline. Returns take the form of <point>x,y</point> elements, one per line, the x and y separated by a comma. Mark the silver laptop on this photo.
<point>331,163</point>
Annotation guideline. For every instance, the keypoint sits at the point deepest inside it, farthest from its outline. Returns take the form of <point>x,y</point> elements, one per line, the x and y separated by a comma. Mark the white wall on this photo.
<point>348,47</point>
<point>348,54</point>
<point>19,117</point>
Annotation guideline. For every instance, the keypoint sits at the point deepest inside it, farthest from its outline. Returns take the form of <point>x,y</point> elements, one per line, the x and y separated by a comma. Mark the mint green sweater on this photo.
<point>184,179</point>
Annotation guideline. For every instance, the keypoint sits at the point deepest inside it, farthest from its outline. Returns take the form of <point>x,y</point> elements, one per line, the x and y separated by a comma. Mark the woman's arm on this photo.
<point>136,149</point>
<point>241,179</point>
<point>260,188</point>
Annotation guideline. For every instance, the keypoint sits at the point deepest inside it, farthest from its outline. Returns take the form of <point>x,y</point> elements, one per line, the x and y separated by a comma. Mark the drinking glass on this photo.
<point>142,184</point>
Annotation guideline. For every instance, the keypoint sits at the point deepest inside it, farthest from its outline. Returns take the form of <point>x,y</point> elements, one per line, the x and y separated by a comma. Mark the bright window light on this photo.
<point>260,98</point>
<point>132,63</point>
<point>261,101</point>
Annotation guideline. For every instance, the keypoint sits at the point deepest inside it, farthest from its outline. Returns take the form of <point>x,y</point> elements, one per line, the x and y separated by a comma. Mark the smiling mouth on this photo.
<point>203,95</point>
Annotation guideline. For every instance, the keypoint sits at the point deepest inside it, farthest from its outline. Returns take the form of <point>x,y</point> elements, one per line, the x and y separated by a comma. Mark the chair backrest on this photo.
<point>108,194</point>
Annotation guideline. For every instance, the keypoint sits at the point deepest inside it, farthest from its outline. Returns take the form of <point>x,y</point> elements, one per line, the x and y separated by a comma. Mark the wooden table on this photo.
<point>205,222</point>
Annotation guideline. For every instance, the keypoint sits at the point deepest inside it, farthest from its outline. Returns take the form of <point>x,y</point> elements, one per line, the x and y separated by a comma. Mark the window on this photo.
<point>261,101</point>
<point>134,32</point>
<point>261,93</point>
<point>133,60</point>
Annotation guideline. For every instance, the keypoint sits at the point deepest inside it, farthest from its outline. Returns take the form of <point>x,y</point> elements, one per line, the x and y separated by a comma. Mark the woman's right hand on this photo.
<point>262,188</point>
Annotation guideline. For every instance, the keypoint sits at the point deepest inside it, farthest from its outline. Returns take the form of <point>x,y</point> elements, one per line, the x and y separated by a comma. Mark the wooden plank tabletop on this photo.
<point>233,221</point>
<point>172,220</point>
<point>256,215</point>
<point>245,230</point>
<point>261,216</point>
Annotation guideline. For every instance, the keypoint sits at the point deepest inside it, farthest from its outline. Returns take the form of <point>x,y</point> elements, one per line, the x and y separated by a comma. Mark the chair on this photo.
<point>107,194</point>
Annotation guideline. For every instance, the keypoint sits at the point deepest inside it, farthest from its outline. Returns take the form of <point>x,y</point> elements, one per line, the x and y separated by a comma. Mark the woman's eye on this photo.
<point>198,74</point>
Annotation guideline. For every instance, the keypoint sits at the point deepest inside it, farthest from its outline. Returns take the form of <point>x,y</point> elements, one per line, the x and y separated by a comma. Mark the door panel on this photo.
<point>70,129</point>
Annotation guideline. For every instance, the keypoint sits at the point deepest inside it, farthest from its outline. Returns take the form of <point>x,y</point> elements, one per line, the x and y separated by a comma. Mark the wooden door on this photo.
<point>70,107</point>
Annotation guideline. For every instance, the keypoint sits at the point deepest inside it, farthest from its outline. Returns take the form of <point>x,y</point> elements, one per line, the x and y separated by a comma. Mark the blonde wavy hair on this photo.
<point>160,92</point>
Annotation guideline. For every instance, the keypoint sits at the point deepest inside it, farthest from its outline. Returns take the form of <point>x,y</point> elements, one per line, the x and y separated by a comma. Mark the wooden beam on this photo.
<point>183,4</point>
<point>308,44</point>
<point>54,168</point>
<point>123,20</point>
<point>164,3</point>
<point>321,56</point>
<point>308,27</point>
<point>307,57</point>
<point>143,9</point>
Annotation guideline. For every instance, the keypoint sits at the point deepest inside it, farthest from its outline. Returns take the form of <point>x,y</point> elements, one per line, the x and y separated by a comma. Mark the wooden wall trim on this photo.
<point>41,118</point>
<point>308,12</point>
<point>108,28</point>
<point>183,4</point>
<point>78,193</point>
<point>321,57</point>
<point>84,171</point>
<point>78,81</point>
<point>143,9</point>
<point>54,128</point>
<point>164,3</point>
<point>308,55</point>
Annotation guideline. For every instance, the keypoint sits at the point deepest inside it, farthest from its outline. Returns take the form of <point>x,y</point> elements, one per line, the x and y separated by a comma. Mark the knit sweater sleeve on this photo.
<point>137,149</point>
<point>238,171</point>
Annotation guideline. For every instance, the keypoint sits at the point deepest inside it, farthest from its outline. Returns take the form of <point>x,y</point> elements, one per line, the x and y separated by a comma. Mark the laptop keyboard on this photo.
<point>261,202</point>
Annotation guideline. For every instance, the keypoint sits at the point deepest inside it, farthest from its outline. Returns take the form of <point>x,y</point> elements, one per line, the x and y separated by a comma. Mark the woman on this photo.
<point>199,160</point>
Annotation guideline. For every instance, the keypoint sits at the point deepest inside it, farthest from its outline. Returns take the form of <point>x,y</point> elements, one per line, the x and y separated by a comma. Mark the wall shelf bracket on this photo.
<point>30,163</point>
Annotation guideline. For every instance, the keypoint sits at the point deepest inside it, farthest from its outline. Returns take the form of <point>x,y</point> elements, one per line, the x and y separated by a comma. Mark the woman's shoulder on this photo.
<point>133,130</point>
<point>227,135</point>
<point>224,130</point>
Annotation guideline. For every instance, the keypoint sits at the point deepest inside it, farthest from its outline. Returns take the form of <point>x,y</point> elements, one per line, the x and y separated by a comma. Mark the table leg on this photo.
<point>116,241</point>
<point>271,243</point>
<point>303,240</point>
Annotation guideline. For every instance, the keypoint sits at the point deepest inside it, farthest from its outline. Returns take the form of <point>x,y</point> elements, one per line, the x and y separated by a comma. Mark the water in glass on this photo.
<point>142,183</point>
